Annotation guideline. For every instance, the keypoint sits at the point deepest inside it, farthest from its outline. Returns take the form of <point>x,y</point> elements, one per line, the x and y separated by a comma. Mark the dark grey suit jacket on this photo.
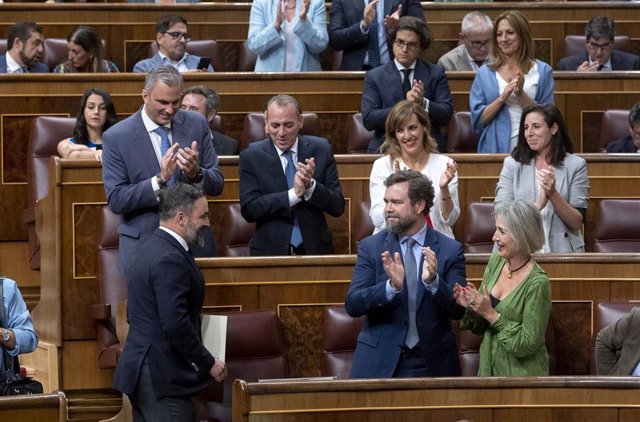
<point>223,144</point>
<point>622,145</point>
<point>619,61</point>
<point>618,346</point>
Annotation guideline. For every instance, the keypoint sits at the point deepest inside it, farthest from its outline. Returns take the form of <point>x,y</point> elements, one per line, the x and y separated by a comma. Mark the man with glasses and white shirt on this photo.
<point>172,38</point>
<point>475,43</point>
<point>600,55</point>
<point>406,78</point>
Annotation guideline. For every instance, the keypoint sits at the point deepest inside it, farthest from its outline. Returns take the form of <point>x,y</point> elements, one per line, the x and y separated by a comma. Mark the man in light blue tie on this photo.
<point>403,284</point>
<point>287,183</point>
<point>151,149</point>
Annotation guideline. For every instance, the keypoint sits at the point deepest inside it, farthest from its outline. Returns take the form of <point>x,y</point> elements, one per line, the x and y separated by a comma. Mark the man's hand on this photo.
<point>218,371</point>
<point>429,265</point>
<point>168,162</point>
<point>187,160</point>
<point>586,67</point>
<point>394,268</point>
<point>369,13</point>
<point>305,171</point>
<point>416,93</point>
<point>392,19</point>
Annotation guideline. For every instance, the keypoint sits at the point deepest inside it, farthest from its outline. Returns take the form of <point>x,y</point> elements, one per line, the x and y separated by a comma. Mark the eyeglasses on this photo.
<point>177,35</point>
<point>479,44</point>
<point>595,46</point>
<point>411,45</point>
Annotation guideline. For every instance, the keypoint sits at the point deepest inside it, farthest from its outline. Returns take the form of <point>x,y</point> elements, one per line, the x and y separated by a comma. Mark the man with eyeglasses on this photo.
<point>406,78</point>
<point>172,38</point>
<point>474,46</point>
<point>631,142</point>
<point>359,28</point>
<point>600,55</point>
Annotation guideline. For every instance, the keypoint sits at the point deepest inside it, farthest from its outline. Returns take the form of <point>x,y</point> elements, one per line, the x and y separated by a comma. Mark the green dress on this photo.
<point>514,344</point>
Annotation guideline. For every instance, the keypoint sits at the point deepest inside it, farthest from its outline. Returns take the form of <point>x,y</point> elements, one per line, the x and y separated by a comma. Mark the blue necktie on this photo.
<point>290,172</point>
<point>165,144</point>
<point>411,282</point>
<point>373,48</point>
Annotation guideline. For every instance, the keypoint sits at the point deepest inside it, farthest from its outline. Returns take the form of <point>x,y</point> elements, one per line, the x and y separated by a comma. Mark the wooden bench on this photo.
<point>38,407</point>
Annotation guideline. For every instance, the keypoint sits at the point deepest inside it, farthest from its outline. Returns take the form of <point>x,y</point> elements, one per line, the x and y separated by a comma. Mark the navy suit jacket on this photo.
<point>619,61</point>
<point>223,144</point>
<point>264,198</point>
<point>345,33</point>
<point>386,323</point>
<point>37,68</point>
<point>622,145</point>
<point>165,297</point>
<point>383,89</point>
<point>128,164</point>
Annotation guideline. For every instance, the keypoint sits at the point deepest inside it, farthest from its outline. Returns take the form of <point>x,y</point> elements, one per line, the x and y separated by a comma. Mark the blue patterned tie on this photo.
<point>373,49</point>
<point>165,144</point>
<point>411,281</point>
<point>290,172</point>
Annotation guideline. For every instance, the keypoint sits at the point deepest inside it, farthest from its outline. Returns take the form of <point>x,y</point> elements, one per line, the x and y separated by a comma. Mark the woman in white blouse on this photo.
<point>408,144</point>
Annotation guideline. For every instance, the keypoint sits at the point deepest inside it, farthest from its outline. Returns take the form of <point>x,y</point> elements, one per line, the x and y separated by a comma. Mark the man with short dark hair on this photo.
<point>206,101</point>
<point>287,183</point>
<point>164,362</point>
<point>25,45</point>
<point>406,78</point>
<point>403,285</point>
<point>172,39</point>
<point>150,150</point>
<point>475,44</point>
<point>631,142</point>
<point>600,55</point>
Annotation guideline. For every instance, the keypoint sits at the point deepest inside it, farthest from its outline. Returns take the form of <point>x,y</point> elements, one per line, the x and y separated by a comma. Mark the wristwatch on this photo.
<point>5,335</point>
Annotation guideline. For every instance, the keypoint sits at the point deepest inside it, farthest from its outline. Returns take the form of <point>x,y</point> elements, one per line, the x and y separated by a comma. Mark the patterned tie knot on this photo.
<point>165,143</point>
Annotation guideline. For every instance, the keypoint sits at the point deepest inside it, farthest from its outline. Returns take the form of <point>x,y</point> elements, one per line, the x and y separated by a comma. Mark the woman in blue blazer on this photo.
<point>288,35</point>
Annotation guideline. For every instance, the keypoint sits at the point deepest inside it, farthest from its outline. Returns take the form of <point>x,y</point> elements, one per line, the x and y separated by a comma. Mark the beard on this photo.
<point>194,236</point>
<point>399,224</point>
<point>28,62</point>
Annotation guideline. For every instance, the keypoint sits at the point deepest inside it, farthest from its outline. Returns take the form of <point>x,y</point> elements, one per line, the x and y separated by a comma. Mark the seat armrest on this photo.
<point>100,312</point>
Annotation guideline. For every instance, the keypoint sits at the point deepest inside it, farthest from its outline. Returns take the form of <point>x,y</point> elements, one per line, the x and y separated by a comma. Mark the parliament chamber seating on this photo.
<point>339,337</point>
<point>113,290</point>
<point>217,124</point>
<point>615,125</point>
<point>363,226</point>
<point>359,137</point>
<point>202,48</point>
<point>574,44</point>
<point>237,234</point>
<point>46,132</point>
<point>469,350</point>
<point>255,350</point>
<point>617,227</point>
<point>253,128</point>
<point>55,52</point>
<point>246,58</point>
<point>460,136</point>
<point>480,228</point>
<point>606,313</point>
<point>3,45</point>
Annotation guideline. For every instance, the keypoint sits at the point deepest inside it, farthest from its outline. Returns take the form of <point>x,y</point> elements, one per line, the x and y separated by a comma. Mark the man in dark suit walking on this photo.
<point>403,284</point>
<point>164,362</point>
<point>155,147</point>
<point>287,183</point>
<point>406,78</point>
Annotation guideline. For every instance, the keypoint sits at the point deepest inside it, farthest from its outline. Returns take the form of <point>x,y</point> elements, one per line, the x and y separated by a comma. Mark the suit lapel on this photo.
<point>142,142</point>
<point>273,166</point>
<point>186,254</point>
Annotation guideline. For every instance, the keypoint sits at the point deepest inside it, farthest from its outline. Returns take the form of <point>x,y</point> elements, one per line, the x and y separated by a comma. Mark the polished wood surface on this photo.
<point>570,399</point>
<point>38,407</point>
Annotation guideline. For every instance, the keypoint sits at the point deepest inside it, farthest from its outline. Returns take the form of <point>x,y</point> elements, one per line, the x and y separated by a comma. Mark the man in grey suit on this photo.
<point>618,346</point>
<point>475,42</point>
<point>151,149</point>
<point>172,38</point>
<point>206,101</point>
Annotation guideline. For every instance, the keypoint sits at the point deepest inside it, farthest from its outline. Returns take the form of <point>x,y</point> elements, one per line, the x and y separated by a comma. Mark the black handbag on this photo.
<point>11,383</point>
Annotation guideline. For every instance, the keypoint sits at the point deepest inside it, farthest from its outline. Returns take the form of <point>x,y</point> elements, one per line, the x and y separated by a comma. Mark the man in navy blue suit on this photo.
<point>164,362</point>
<point>600,55</point>
<point>151,149</point>
<point>403,284</point>
<point>25,45</point>
<point>287,183</point>
<point>406,78</point>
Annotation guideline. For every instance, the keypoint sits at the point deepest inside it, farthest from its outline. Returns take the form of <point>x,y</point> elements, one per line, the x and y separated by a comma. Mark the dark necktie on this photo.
<point>290,172</point>
<point>411,283</point>
<point>165,144</point>
<point>479,63</point>
<point>406,82</point>
<point>373,49</point>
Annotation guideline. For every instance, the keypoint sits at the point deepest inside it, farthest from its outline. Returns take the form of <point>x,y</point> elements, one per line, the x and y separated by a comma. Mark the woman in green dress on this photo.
<point>512,306</point>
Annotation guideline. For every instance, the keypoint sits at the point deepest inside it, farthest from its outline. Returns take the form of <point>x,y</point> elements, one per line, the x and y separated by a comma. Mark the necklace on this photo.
<point>510,271</point>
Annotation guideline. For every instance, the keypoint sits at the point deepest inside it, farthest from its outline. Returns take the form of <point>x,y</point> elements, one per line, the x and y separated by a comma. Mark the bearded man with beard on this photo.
<point>403,284</point>
<point>164,362</point>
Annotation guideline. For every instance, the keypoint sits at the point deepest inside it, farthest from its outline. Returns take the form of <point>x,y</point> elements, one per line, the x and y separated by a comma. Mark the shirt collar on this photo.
<point>12,65</point>
<point>166,59</point>
<point>418,237</point>
<point>294,148</point>
<point>177,237</point>
<point>401,67</point>
<point>149,124</point>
